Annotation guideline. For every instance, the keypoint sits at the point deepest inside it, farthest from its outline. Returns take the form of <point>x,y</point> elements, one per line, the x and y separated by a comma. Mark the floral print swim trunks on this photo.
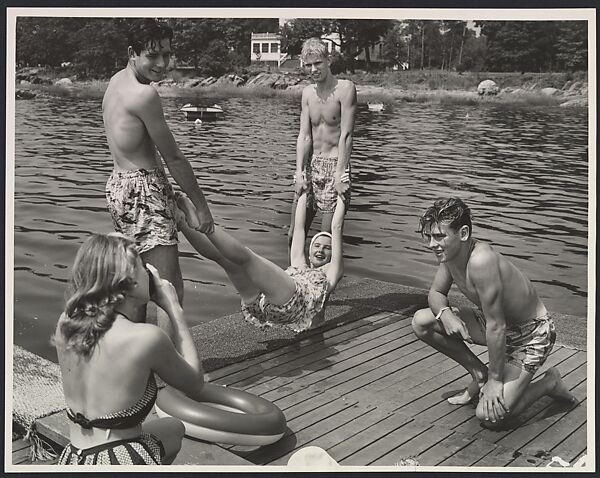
<point>319,175</point>
<point>142,205</point>
<point>528,344</point>
<point>300,310</point>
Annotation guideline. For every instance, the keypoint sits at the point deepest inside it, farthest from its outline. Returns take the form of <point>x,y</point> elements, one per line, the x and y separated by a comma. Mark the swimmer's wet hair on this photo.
<point>147,30</point>
<point>314,46</point>
<point>451,211</point>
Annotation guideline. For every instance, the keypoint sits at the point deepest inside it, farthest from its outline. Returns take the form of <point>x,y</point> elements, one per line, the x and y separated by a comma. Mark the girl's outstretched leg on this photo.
<point>270,279</point>
<point>238,277</point>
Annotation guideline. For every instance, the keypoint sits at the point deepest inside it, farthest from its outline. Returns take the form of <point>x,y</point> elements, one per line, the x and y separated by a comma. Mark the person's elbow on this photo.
<point>346,137</point>
<point>304,139</point>
<point>175,159</point>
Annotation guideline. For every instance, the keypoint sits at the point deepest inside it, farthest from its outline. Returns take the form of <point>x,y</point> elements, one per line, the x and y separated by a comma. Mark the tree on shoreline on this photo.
<point>95,46</point>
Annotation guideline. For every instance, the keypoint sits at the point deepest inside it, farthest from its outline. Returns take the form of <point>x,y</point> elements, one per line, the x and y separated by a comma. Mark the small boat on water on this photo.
<point>376,106</point>
<point>204,113</point>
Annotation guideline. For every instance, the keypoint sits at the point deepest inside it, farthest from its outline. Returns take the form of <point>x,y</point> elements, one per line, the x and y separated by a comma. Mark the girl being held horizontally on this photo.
<point>293,298</point>
<point>108,360</point>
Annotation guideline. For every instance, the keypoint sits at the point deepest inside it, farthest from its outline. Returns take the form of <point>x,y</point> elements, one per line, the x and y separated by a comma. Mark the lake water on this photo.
<point>523,171</point>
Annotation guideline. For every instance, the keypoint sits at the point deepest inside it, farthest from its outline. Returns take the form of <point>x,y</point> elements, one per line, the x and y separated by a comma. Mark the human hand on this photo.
<point>455,326</point>
<point>491,397</point>
<point>207,224</point>
<point>300,183</point>
<point>164,294</point>
<point>342,182</point>
<point>185,212</point>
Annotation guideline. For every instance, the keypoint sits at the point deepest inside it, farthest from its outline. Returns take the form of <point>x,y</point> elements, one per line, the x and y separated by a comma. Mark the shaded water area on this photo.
<point>523,171</point>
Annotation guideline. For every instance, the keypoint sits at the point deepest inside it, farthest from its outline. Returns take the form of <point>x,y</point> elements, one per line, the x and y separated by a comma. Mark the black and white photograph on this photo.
<point>295,239</point>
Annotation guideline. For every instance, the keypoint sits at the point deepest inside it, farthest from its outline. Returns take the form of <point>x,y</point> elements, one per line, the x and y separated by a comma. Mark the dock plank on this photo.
<point>302,429</point>
<point>313,349</point>
<point>444,449</point>
<point>415,446</point>
<point>248,363</point>
<point>365,437</point>
<point>366,416</point>
<point>359,375</point>
<point>376,354</point>
<point>307,363</point>
<point>573,446</point>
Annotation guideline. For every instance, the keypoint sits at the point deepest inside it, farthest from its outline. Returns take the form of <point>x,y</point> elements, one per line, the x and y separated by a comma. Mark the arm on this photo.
<point>297,258</point>
<point>335,269</point>
<point>484,272</point>
<point>148,107</point>
<point>453,325</point>
<point>348,110</point>
<point>303,144</point>
<point>176,362</point>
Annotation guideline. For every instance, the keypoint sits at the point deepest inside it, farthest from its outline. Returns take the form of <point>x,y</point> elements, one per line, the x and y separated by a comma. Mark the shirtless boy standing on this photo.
<point>509,318</point>
<point>140,198</point>
<point>326,128</point>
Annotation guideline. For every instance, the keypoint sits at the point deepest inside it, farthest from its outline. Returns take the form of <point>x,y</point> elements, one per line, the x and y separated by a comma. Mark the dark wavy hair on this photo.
<point>103,272</point>
<point>451,211</point>
<point>146,31</point>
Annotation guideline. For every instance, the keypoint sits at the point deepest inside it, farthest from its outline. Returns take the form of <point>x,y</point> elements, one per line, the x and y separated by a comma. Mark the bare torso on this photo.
<point>128,140</point>
<point>325,116</point>
<point>520,301</point>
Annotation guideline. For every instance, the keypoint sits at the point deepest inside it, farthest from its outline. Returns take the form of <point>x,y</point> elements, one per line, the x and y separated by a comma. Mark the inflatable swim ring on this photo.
<point>224,415</point>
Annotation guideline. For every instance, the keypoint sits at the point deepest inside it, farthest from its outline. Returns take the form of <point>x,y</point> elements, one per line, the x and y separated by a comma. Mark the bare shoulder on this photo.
<point>483,259</point>
<point>308,91</point>
<point>142,339</point>
<point>346,86</point>
<point>142,96</point>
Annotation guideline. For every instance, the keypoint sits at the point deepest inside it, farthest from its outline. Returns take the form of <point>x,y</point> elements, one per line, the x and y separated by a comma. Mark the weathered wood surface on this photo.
<point>371,394</point>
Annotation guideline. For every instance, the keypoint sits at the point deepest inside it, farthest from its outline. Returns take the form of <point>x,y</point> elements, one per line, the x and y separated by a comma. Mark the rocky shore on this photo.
<point>418,86</point>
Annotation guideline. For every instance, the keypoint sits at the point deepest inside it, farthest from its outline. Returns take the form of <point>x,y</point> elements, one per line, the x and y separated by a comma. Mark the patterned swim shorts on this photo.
<point>143,450</point>
<point>300,310</point>
<point>142,205</point>
<point>528,344</point>
<point>319,174</point>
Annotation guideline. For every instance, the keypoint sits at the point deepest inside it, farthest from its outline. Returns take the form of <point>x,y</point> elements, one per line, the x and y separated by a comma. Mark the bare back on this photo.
<point>128,140</point>
<point>325,110</point>
<point>520,301</point>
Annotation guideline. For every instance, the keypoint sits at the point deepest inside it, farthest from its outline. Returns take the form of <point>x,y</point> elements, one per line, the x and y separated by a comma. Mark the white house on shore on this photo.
<point>266,48</point>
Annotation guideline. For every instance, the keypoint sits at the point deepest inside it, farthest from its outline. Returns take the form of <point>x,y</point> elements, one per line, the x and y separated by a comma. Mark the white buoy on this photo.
<point>198,122</point>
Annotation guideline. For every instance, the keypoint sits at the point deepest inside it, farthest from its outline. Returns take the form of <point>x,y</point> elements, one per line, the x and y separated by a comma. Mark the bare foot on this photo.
<point>186,206</point>
<point>560,391</point>
<point>467,395</point>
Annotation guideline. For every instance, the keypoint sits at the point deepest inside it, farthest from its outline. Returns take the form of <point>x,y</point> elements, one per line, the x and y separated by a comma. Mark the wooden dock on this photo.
<point>366,390</point>
<point>371,394</point>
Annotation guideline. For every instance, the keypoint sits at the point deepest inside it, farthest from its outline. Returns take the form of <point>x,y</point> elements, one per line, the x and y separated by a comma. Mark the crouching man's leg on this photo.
<point>520,392</point>
<point>432,332</point>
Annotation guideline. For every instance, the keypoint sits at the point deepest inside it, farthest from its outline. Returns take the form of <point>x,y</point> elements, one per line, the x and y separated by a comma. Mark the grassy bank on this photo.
<point>417,86</point>
<point>467,81</point>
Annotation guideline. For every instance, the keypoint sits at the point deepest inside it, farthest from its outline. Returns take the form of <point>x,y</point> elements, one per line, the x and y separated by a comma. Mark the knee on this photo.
<point>421,322</point>
<point>488,423</point>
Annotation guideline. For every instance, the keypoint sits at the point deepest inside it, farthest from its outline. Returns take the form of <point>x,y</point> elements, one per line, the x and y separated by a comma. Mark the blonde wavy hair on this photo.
<point>103,272</point>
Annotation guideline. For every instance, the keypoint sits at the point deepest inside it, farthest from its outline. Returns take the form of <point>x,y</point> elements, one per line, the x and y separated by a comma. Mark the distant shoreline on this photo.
<point>427,86</point>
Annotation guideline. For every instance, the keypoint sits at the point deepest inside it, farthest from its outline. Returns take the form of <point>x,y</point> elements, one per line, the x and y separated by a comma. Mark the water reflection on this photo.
<point>522,170</point>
